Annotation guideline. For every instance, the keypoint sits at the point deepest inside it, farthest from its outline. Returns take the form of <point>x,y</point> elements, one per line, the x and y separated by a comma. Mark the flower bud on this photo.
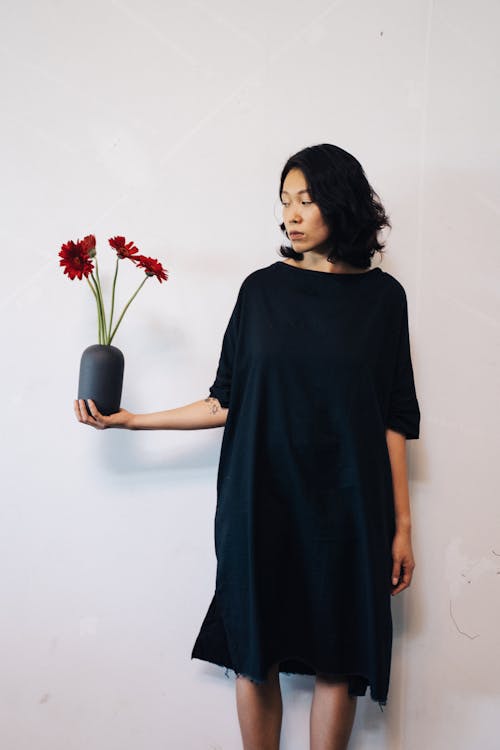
<point>88,245</point>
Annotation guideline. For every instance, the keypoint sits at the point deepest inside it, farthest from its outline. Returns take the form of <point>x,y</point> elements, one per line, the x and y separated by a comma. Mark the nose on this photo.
<point>295,217</point>
<point>292,216</point>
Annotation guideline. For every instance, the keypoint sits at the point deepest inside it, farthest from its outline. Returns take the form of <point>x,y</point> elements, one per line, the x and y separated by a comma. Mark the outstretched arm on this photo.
<point>199,415</point>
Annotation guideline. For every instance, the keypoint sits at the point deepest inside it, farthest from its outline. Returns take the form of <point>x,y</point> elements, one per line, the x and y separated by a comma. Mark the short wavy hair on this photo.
<point>349,206</point>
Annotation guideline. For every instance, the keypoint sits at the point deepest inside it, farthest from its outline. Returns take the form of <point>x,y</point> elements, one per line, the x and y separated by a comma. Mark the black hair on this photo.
<point>349,205</point>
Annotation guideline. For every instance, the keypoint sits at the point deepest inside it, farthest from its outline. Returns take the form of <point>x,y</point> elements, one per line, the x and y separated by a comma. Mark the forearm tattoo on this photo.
<point>214,404</point>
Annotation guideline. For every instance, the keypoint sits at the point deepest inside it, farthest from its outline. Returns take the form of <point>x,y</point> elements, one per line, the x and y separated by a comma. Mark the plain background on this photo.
<point>169,123</point>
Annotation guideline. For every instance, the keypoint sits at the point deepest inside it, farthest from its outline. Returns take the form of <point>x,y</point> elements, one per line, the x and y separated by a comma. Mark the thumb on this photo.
<point>396,570</point>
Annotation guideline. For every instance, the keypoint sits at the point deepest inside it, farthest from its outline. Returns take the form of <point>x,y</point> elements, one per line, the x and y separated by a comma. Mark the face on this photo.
<point>301,214</point>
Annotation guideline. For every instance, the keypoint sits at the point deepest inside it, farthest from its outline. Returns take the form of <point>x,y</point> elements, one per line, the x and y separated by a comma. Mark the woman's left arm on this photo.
<point>402,554</point>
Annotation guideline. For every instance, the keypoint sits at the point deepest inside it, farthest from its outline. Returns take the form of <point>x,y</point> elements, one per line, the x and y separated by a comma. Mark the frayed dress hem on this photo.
<point>309,670</point>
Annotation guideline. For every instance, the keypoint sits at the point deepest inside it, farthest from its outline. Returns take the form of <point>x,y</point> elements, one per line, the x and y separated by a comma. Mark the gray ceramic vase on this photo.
<point>101,377</point>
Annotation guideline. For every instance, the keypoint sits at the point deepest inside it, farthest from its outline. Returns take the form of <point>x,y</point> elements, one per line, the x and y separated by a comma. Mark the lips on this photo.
<point>296,234</point>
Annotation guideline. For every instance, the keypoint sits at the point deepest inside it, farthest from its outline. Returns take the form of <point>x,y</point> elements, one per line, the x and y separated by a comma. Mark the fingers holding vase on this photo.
<point>121,418</point>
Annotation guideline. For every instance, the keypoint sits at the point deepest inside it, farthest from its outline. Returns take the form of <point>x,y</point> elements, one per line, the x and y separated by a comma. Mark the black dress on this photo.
<point>314,367</point>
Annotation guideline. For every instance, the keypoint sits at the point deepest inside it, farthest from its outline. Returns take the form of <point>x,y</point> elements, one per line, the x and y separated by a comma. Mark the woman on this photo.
<point>316,393</point>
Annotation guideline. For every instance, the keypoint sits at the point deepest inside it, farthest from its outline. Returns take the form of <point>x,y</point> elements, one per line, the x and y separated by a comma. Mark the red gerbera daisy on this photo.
<point>75,259</point>
<point>123,249</point>
<point>151,266</point>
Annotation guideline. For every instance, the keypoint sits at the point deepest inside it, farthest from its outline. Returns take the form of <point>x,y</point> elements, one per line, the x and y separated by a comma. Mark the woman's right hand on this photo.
<point>100,421</point>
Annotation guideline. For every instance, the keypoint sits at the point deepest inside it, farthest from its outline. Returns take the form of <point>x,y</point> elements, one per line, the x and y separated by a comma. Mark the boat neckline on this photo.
<point>327,273</point>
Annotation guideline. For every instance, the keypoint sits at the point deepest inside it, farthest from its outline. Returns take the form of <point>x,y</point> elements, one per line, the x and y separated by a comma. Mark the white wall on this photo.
<point>169,123</point>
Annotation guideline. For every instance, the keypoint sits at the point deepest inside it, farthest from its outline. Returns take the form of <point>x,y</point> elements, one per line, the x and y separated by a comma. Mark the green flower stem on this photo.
<point>100,303</point>
<point>99,318</point>
<point>99,291</point>
<point>126,307</point>
<point>113,298</point>
<point>95,289</point>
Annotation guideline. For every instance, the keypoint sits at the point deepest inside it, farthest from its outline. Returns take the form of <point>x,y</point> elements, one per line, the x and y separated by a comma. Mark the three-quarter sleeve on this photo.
<point>404,413</point>
<point>221,387</point>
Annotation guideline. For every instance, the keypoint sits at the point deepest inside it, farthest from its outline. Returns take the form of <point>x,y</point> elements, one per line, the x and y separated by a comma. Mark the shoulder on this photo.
<point>394,288</point>
<point>257,278</point>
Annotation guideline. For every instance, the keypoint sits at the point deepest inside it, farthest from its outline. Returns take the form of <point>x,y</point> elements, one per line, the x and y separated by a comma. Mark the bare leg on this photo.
<point>260,711</point>
<point>332,714</point>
